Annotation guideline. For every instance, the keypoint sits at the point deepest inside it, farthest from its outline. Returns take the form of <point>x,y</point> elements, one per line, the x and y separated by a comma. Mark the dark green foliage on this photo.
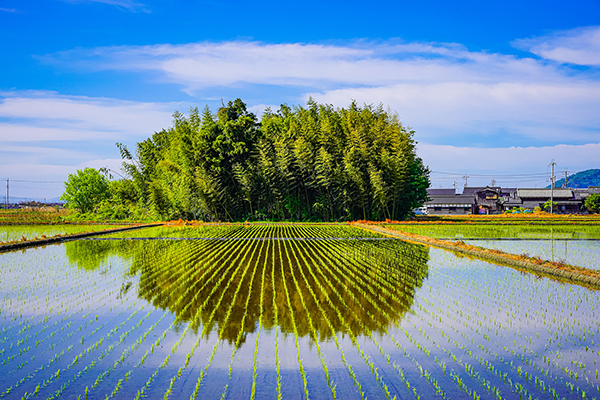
<point>592,203</point>
<point>313,163</point>
<point>583,179</point>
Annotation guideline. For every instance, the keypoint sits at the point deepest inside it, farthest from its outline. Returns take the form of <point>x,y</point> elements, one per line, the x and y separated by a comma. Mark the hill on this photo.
<point>583,179</point>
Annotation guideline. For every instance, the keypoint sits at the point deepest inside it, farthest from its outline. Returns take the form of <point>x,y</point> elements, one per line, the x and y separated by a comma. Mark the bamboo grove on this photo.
<point>303,163</point>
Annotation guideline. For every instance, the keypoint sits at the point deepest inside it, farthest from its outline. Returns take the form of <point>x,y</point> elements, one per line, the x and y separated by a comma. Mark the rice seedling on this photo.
<point>288,311</point>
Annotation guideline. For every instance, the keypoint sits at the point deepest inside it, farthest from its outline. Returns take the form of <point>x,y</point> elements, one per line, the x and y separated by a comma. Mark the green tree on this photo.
<point>592,203</point>
<point>546,205</point>
<point>86,188</point>
<point>302,163</point>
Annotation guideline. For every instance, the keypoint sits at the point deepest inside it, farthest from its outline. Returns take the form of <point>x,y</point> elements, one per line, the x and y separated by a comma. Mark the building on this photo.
<point>496,200</point>
<point>567,201</point>
<point>446,201</point>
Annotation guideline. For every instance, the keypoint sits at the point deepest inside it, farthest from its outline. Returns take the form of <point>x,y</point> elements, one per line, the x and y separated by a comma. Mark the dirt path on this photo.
<point>61,238</point>
<point>564,272</point>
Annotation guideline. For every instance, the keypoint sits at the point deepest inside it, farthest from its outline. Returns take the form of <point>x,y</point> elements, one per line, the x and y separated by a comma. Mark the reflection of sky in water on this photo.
<point>460,314</point>
<point>521,231</point>
<point>582,253</point>
<point>15,232</point>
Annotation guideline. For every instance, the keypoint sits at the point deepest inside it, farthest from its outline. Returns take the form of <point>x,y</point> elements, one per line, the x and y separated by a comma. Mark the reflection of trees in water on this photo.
<point>371,283</point>
<point>91,254</point>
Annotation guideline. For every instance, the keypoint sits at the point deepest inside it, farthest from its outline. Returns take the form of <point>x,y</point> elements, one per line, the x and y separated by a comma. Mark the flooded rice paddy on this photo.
<point>291,319</point>
<point>582,253</point>
<point>504,231</point>
<point>9,233</point>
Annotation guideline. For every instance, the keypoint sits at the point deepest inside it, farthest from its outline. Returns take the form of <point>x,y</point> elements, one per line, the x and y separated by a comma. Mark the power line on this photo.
<point>20,180</point>
<point>462,174</point>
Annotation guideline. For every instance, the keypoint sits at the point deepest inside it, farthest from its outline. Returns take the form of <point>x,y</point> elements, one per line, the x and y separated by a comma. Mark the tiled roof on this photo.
<point>474,189</point>
<point>535,193</point>
<point>447,200</point>
<point>441,192</point>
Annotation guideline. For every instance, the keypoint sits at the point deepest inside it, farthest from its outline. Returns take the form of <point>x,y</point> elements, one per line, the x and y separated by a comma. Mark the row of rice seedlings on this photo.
<point>98,345</point>
<point>525,359</point>
<point>295,329</point>
<point>342,303</point>
<point>260,319</point>
<point>276,322</point>
<point>309,318</point>
<point>333,332</point>
<point>228,313</point>
<point>183,280</point>
<point>51,335</point>
<point>241,329</point>
<point>190,354</point>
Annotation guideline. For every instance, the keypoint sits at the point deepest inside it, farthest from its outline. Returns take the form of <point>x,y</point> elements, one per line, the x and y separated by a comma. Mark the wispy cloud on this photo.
<point>123,4</point>
<point>442,90</point>
<point>46,136</point>
<point>485,106</point>
<point>501,162</point>
<point>9,10</point>
<point>576,46</point>
<point>202,65</point>
<point>46,116</point>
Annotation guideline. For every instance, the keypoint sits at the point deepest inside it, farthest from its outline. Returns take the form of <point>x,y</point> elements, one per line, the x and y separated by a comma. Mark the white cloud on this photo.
<point>31,124</point>
<point>201,65</point>
<point>546,112</point>
<point>10,10</point>
<point>18,154</point>
<point>576,46</point>
<point>39,179</point>
<point>508,166</point>
<point>45,116</point>
<point>126,4</point>
<point>445,92</point>
<point>441,90</point>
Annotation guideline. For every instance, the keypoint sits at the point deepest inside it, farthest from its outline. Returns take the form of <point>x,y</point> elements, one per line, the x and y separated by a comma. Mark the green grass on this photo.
<point>571,231</point>
<point>9,233</point>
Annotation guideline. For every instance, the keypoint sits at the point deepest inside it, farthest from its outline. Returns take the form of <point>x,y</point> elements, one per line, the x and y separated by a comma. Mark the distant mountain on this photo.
<point>17,200</point>
<point>583,179</point>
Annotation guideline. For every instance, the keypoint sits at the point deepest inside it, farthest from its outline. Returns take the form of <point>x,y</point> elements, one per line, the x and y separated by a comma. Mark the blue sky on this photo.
<point>493,90</point>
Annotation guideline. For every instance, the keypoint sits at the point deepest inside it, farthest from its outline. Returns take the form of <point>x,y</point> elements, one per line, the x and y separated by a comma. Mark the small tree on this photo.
<point>86,188</point>
<point>546,205</point>
<point>592,203</point>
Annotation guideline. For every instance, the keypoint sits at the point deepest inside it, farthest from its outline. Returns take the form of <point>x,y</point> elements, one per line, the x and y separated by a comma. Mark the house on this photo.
<point>446,201</point>
<point>567,201</point>
<point>486,200</point>
<point>495,200</point>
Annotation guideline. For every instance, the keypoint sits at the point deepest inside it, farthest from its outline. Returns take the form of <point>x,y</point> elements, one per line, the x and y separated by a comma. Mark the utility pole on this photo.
<point>7,193</point>
<point>565,184</point>
<point>493,182</point>
<point>454,185</point>
<point>466,177</point>
<point>552,187</point>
